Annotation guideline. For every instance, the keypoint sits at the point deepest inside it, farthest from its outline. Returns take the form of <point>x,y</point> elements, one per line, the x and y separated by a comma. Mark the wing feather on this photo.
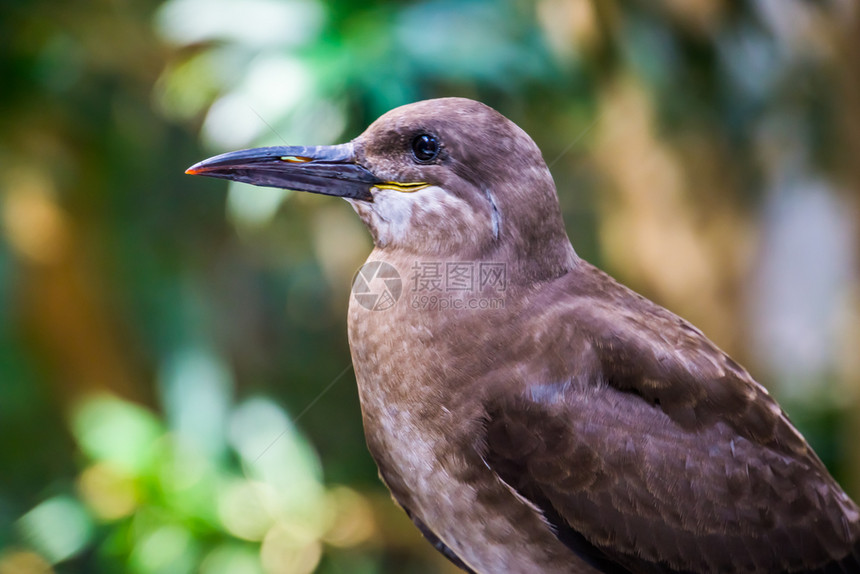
<point>658,453</point>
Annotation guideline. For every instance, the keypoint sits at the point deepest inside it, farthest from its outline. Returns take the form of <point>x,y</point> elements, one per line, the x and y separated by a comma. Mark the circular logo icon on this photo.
<point>377,286</point>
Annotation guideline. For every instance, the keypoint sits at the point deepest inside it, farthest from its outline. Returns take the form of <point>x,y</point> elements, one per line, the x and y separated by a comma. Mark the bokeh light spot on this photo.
<point>108,429</point>
<point>107,491</point>
<point>58,528</point>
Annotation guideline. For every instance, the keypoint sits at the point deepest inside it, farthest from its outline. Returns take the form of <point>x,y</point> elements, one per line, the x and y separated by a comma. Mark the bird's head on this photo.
<point>447,178</point>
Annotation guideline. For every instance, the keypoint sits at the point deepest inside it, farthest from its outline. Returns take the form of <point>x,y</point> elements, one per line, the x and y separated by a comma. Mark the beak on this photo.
<point>329,170</point>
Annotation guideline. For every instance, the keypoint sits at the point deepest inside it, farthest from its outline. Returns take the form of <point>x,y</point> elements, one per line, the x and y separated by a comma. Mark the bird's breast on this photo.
<point>422,402</point>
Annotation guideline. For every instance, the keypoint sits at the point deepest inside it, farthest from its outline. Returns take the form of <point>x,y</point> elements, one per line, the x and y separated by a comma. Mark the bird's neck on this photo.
<point>527,257</point>
<point>532,237</point>
<point>541,261</point>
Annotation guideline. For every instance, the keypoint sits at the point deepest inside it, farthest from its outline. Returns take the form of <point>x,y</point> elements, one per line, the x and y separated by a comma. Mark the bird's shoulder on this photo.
<point>605,334</point>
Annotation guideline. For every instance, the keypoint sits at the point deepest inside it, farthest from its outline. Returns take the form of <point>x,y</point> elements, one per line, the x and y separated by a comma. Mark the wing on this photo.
<point>400,495</point>
<point>440,546</point>
<point>659,454</point>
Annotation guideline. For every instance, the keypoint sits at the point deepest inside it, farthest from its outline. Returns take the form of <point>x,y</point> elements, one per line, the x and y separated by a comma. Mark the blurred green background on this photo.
<point>175,385</point>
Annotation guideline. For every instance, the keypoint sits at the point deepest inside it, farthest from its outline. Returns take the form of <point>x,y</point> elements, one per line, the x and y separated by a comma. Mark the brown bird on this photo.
<point>529,413</point>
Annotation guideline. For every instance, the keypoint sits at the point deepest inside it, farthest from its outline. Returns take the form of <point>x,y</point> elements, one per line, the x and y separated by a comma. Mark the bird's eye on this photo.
<point>425,148</point>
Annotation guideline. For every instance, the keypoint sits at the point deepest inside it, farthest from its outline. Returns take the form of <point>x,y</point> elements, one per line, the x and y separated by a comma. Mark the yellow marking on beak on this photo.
<point>296,159</point>
<point>402,187</point>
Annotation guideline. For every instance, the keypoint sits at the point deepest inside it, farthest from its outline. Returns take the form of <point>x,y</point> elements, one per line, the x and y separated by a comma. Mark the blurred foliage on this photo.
<point>176,393</point>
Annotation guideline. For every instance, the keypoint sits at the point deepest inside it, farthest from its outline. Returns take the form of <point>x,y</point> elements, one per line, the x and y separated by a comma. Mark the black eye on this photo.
<point>425,148</point>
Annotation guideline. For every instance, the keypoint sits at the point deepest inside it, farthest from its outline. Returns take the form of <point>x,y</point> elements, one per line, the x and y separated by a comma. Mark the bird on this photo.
<point>529,413</point>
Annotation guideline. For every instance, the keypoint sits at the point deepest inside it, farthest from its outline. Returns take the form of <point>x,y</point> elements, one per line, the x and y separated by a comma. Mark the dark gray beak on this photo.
<point>329,170</point>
